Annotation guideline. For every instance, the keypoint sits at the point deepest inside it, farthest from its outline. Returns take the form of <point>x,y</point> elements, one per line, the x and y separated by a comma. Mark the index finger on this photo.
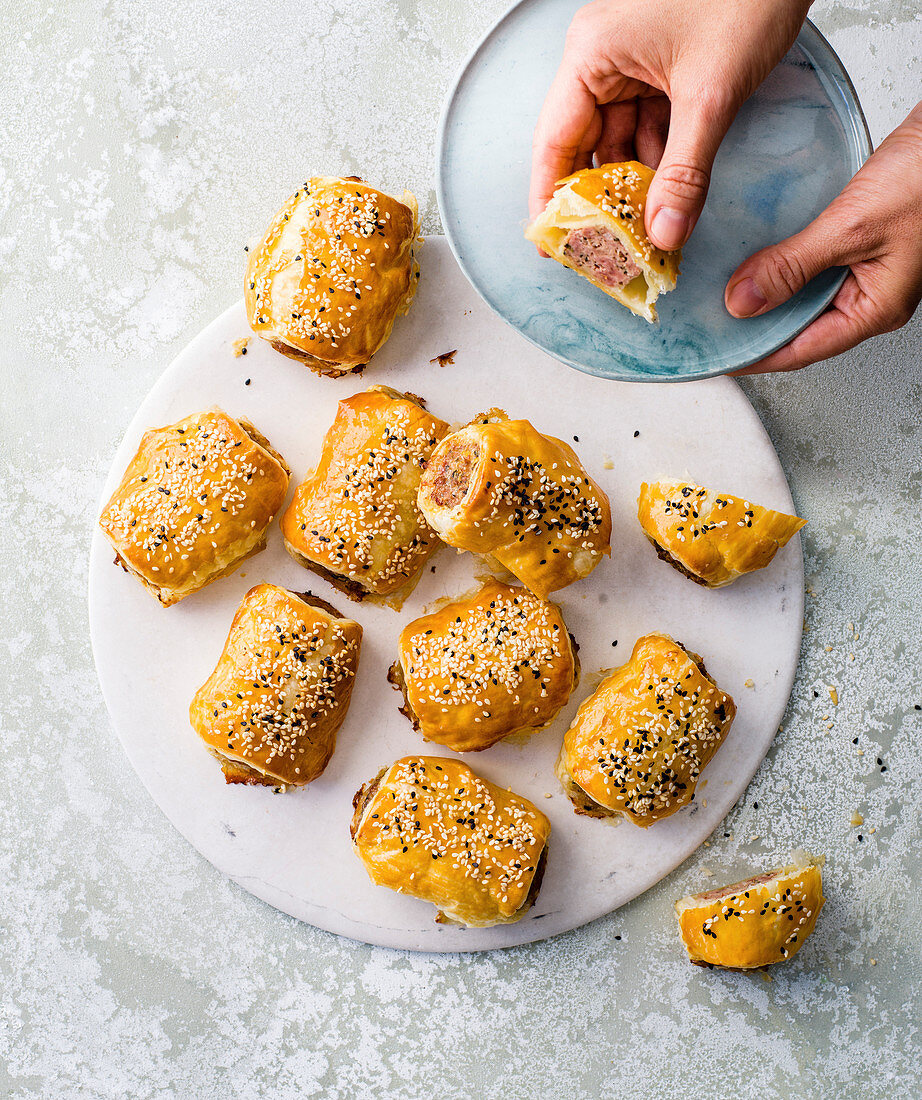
<point>565,135</point>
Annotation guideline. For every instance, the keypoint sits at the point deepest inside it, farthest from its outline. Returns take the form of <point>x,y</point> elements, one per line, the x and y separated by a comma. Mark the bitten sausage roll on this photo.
<point>757,922</point>
<point>502,489</point>
<point>638,744</point>
<point>490,664</point>
<point>332,272</point>
<point>270,711</point>
<point>431,828</point>
<point>594,224</point>
<point>712,538</point>
<point>355,519</point>
<point>196,499</point>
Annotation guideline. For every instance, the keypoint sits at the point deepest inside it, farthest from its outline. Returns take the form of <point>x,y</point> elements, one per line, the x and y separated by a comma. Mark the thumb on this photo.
<point>777,273</point>
<point>680,185</point>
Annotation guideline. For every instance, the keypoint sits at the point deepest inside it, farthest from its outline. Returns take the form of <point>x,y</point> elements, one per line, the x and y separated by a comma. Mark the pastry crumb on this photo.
<point>856,819</point>
<point>750,683</point>
<point>446,359</point>
<point>707,872</point>
<point>607,463</point>
<point>240,346</point>
<point>873,962</point>
<point>828,648</point>
<point>834,696</point>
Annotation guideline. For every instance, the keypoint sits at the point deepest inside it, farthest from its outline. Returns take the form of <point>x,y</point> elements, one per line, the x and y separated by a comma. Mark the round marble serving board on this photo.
<point>293,849</point>
<point>794,145</point>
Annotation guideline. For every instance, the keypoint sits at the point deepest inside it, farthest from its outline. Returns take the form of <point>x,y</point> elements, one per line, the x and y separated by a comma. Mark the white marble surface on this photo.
<point>143,143</point>
<point>294,851</point>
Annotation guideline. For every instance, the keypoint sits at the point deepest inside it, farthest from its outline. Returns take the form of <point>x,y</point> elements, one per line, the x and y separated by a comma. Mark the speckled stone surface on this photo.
<point>142,144</point>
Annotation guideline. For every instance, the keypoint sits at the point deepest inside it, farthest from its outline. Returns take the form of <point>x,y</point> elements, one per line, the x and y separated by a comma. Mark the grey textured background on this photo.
<point>142,143</point>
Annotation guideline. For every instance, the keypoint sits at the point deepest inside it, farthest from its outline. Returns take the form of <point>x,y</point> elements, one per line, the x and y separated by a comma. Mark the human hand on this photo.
<point>875,228</point>
<point>634,70</point>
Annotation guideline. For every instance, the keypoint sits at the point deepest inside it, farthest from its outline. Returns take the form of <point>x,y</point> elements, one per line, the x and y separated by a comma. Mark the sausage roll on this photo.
<point>355,519</point>
<point>431,828</point>
<point>502,489</point>
<point>333,271</point>
<point>711,537</point>
<point>757,922</point>
<point>270,711</point>
<point>638,745</point>
<point>196,499</point>
<point>493,663</point>
<point>594,224</point>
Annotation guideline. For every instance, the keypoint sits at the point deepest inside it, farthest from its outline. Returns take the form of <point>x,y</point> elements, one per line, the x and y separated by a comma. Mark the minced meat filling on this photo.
<point>598,252</point>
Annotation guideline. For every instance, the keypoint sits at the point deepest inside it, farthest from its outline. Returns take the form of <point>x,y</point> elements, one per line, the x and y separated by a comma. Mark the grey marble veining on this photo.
<point>142,144</point>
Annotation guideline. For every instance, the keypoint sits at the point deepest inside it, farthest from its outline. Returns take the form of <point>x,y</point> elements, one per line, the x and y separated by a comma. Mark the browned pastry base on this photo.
<point>396,678</point>
<point>318,366</point>
<point>350,589</point>
<point>361,798</point>
<point>664,555</point>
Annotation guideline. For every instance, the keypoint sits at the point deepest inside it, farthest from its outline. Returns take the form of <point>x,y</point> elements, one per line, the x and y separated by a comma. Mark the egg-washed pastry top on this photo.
<point>495,662</point>
<point>503,489</point>
<point>753,923</point>
<point>431,828</point>
<point>638,745</point>
<point>280,691</point>
<point>355,518</point>
<point>196,499</point>
<point>713,538</point>
<point>332,272</point>
<point>594,224</point>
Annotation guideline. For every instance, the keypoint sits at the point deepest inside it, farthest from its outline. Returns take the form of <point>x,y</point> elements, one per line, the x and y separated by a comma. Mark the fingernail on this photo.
<point>669,228</point>
<point>745,299</point>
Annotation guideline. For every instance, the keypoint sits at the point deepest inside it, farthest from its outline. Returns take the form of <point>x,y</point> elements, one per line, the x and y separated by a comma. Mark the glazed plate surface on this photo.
<point>293,849</point>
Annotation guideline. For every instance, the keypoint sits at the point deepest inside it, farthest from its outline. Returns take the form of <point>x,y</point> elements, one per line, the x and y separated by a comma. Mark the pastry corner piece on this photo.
<point>196,499</point>
<point>495,662</point>
<point>639,743</point>
<point>270,711</point>
<point>332,273</point>
<point>594,224</point>
<point>431,828</point>
<point>712,538</point>
<point>754,923</point>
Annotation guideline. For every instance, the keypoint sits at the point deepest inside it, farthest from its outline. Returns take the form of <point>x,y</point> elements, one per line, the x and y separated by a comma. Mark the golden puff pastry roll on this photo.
<point>196,499</point>
<point>433,829</point>
<point>502,489</point>
<point>496,662</point>
<point>712,538</point>
<point>270,711</point>
<point>355,519</point>
<point>594,224</point>
<point>333,271</point>
<point>760,921</point>
<point>638,744</point>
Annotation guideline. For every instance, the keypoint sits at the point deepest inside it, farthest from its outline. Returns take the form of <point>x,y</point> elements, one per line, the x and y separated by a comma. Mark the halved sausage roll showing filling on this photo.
<point>502,489</point>
<point>639,744</point>
<point>493,663</point>
<point>196,499</point>
<point>594,224</point>
<point>757,922</point>
<point>355,519</point>
<point>429,827</point>
<point>270,711</point>
<point>712,538</point>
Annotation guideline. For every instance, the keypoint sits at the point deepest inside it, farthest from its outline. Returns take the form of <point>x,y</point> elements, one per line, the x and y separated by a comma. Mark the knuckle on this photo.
<point>684,181</point>
<point>785,272</point>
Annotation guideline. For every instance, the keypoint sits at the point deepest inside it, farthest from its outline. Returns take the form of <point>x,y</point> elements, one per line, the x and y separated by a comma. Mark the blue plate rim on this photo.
<point>813,41</point>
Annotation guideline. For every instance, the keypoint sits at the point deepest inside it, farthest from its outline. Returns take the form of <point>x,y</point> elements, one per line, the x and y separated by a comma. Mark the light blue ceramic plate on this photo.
<point>793,147</point>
